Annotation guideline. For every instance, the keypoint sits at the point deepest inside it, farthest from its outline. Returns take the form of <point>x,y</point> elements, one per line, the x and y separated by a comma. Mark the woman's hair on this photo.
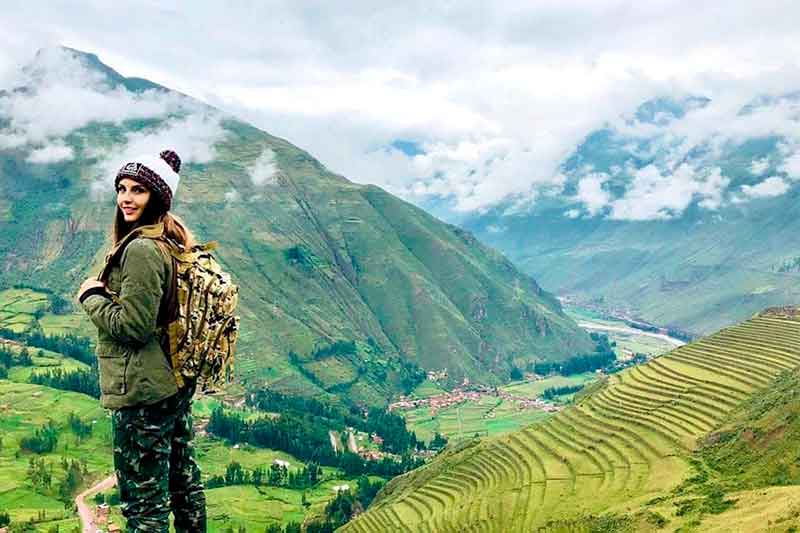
<point>174,227</point>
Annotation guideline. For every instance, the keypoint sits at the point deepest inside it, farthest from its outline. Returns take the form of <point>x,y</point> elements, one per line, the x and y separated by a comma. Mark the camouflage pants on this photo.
<point>156,470</point>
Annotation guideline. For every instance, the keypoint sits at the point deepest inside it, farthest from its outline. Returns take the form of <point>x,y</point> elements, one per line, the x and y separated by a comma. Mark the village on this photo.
<point>468,392</point>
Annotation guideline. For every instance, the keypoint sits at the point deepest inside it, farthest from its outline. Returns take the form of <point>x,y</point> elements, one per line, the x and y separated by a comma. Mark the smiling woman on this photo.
<point>130,306</point>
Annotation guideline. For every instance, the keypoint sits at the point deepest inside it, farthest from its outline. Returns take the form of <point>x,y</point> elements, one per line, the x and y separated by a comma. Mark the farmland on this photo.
<point>627,443</point>
<point>488,416</point>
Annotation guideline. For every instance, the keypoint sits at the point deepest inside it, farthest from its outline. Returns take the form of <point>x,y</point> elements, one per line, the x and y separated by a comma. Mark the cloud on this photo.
<point>52,153</point>
<point>592,194</point>
<point>791,165</point>
<point>232,195</point>
<point>759,166</point>
<point>772,186</point>
<point>193,138</point>
<point>265,169</point>
<point>523,83</point>
<point>68,95</point>
<point>654,195</point>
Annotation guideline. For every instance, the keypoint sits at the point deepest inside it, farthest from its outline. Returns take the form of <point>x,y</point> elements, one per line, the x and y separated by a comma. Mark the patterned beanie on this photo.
<point>160,174</point>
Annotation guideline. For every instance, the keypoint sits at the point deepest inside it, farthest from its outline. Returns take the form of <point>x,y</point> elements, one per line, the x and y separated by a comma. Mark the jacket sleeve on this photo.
<point>133,318</point>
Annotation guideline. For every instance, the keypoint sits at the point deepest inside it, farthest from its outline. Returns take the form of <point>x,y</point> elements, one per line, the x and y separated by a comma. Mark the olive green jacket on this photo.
<point>133,367</point>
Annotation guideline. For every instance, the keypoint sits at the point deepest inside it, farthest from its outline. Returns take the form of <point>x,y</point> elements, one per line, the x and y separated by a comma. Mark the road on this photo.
<point>625,329</point>
<point>85,512</point>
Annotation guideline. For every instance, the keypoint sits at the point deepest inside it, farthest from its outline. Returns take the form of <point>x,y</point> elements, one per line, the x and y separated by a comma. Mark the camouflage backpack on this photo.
<point>197,314</point>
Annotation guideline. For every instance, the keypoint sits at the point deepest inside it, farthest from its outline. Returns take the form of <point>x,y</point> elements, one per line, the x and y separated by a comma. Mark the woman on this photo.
<point>152,423</point>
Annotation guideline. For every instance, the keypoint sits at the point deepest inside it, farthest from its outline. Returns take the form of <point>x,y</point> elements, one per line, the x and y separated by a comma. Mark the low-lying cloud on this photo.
<point>264,170</point>
<point>62,95</point>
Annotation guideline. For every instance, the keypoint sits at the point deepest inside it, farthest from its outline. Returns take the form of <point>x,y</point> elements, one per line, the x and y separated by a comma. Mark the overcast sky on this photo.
<point>489,96</point>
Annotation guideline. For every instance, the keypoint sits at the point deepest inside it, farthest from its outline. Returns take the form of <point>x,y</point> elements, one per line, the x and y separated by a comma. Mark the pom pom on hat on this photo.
<point>159,174</point>
<point>172,160</point>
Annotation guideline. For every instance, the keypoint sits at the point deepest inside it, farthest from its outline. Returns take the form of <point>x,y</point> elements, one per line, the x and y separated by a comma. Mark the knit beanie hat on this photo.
<point>159,174</point>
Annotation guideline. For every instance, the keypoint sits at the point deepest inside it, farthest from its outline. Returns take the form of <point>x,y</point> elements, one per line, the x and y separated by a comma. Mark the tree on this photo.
<point>439,441</point>
<point>5,518</point>
<point>25,358</point>
<point>516,373</point>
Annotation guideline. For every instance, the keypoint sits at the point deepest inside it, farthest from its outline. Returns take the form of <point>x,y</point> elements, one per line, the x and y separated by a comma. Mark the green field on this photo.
<point>25,407</point>
<point>626,444</point>
<point>21,309</point>
<point>533,389</point>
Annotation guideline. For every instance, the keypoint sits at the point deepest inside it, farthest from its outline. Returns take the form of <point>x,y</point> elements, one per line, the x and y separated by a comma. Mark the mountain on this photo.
<point>684,214</point>
<point>694,440</point>
<point>346,291</point>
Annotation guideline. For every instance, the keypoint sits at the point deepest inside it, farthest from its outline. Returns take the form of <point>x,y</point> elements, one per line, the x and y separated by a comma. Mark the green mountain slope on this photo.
<point>345,290</point>
<point>625,447</point>
<point>716,262</point>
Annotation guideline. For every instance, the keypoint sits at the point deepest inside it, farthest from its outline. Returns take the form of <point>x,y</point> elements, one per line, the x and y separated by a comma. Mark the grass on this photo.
<point>533,389</point>
<point>631,440</point>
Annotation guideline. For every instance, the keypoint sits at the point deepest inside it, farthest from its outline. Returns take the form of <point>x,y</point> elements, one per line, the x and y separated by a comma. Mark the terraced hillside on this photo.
<point>618,447</point>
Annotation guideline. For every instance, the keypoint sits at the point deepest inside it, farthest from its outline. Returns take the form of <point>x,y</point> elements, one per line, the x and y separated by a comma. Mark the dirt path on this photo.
<point>633,331</point>
<point>351,443</point>
<point>334,440</point>
<point>85,512</point>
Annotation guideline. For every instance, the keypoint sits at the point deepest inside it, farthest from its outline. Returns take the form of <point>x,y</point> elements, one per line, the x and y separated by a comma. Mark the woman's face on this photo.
<point>132,197</point>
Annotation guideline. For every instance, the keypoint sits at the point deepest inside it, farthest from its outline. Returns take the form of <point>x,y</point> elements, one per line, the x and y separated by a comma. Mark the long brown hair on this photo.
<point>153,213</point>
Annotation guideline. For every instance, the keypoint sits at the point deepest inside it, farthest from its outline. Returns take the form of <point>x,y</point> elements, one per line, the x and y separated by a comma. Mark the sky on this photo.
<point>473,105</point>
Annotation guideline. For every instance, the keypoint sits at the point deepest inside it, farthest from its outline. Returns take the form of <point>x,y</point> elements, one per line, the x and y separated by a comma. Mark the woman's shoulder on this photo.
<point>141,251</point>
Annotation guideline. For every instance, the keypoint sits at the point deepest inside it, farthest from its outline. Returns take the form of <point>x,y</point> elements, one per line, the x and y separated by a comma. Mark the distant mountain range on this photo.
<point>346,291</point>
<point>684,214</point>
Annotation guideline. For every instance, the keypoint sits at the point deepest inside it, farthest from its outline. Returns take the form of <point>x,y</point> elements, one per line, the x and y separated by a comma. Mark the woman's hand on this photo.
<point>89,283</point>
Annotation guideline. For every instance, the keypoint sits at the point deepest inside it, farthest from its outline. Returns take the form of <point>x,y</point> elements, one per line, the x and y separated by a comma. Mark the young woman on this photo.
<point>151,417</point>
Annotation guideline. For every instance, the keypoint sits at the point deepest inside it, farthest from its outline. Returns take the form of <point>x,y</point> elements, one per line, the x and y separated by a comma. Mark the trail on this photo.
<point>334,439</point>
<point>87,518</point>
<point>634,331</point>
<point>351,443</point>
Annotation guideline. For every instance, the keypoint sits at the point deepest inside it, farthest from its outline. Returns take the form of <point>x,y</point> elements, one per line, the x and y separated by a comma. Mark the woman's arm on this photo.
<point>133,318</point>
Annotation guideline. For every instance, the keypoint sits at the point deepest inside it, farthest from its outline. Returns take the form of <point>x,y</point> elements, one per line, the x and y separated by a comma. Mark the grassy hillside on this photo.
<point>318,258</point>
<point>625,452</point>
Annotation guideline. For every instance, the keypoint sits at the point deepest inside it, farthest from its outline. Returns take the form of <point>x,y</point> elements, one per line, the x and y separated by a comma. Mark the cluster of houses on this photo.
<point>461,395</point>
<point>440,401</point>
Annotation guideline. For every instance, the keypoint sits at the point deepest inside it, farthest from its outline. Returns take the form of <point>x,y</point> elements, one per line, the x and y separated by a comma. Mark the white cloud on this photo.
<point>772,186</point>
<point>232,195</point>
<point>265,169</point>
<point>68,96</point>
<point>759,166</point>
<point>192,138</point>
<point>791,165</point>
<point>592,194</point>
<point>572,213</point>
<point>523,82</point>
<point>52,153</point>
<point>655,195</point>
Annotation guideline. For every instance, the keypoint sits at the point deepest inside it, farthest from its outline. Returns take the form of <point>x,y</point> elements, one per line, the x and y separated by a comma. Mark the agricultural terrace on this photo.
<point>620,446</point>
